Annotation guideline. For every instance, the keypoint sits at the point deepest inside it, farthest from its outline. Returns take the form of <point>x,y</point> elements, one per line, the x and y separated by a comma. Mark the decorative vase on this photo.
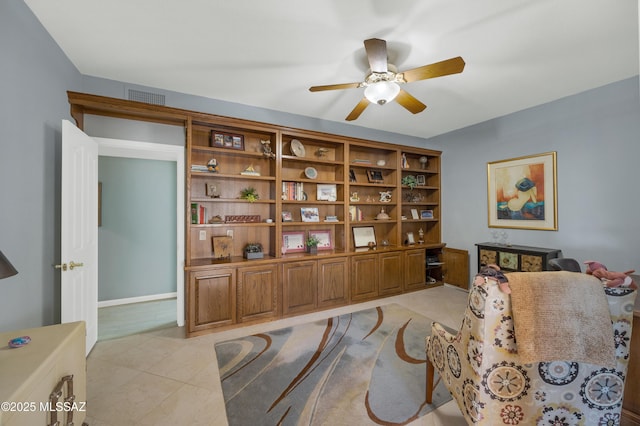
<point>312,249</point>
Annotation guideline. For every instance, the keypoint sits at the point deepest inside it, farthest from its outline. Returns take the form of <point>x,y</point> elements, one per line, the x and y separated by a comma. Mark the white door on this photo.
<point>79,230</point>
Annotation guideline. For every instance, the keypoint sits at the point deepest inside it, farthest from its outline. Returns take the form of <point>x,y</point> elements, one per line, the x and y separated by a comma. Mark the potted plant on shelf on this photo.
<point>410,181</point>
<point>253,251</point>
<point>312,244</point>
<point>250,194</point>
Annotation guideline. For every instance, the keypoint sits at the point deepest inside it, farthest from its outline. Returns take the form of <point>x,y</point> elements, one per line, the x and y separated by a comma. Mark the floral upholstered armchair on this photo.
<point>482,369</point>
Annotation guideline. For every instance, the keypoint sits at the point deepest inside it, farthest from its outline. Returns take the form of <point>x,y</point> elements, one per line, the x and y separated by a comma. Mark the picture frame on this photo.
<point>352,175</point>
<point>414,214</point>
<point>222,247</point>
<point>293,241</point>
<point>363,235</point>
<point>227,140</point>
<point>212,190</point>
<point>309,214</point>
<point>375,176</point>
<point>324,235</point>
<point>522,193</point>
<point>287,217</point>
<point>426,214</point>
<point>410,238</point>
<point>326,192</point>
<point>421,180</point>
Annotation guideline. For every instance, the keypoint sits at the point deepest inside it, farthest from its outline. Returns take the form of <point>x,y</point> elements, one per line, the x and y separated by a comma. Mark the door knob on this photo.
<point>62,266</point>
<point>73,264</point>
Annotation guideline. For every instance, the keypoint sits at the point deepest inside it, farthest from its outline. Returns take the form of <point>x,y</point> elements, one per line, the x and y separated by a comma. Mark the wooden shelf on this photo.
<point>235,292</point>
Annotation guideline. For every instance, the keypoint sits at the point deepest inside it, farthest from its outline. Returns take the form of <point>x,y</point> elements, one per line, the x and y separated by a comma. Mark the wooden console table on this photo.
<point>53,363</point>
<point>516,258</point>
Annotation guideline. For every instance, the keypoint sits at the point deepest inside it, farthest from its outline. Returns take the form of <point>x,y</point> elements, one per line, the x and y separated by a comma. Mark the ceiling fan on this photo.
<point>382,84</point>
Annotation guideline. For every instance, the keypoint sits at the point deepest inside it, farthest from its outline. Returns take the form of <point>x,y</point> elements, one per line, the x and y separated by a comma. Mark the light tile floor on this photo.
<point>161,378</point>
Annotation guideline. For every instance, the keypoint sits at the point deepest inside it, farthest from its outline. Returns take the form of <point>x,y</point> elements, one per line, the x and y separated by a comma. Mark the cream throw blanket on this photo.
<point>561,316</point>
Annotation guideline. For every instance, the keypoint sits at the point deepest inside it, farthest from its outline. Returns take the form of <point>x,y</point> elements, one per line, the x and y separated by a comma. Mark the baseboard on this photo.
<point>150,298</point>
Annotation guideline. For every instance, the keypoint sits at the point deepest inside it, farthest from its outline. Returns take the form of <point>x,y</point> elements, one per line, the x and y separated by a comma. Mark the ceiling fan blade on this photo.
<point>334,87</point>
<point>439,69</point>
<point>409,102</point>
<point>377,54</point>
<point>358,109</point>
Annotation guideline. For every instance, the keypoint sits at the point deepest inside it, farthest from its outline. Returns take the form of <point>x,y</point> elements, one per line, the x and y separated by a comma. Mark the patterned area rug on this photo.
<point>367,367</point>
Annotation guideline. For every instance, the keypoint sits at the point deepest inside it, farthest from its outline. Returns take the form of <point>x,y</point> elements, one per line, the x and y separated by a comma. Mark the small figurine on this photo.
<point>250,171</point>
<point>212,165</point>
<point>266,149</point>
<point>322,152</point>
<point>385,196</point>
<point>405,163</point>
<point>354,197</point>
<point>382,215</point>
<point>423,162</point>
<point>420,236</point>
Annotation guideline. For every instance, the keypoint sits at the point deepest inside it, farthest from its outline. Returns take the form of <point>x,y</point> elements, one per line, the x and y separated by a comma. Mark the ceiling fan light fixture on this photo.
<point>382,92</point>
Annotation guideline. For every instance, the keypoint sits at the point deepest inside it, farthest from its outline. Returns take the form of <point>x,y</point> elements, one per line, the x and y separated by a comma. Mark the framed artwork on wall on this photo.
<point>522,193</point>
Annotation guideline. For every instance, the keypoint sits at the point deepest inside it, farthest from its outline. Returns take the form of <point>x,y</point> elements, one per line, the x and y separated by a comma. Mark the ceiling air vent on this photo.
<point>146,97</point>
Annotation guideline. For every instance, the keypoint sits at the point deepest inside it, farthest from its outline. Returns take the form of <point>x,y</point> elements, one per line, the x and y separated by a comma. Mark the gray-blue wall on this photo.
<point>137,239</point>
<point>34,78</point>
<point>595,133</point>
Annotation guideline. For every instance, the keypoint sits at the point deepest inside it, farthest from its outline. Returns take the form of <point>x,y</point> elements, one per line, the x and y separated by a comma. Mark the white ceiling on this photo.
<point>267,53</point>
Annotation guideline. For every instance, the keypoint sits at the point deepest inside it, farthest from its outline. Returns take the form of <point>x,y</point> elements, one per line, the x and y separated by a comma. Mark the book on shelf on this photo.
<point>198,214</point>
<point>199,168</point>
<point>355,214</point>
<point>293,191</point>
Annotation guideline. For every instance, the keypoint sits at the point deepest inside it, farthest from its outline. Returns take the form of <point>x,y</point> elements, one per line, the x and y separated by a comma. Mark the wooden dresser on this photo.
<point>30,374</point>
<point>512,258</point>
<point>631,402</point>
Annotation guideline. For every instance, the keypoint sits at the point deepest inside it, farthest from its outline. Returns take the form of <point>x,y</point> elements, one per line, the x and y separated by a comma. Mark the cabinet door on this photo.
<point>212,299</point>
<point>364,277</point>
<point>299,286</point>
<point>390,273</point>
<point>333,282</point>
<point>414,269</point>
<point>456,267</point>
<point>257,292</point>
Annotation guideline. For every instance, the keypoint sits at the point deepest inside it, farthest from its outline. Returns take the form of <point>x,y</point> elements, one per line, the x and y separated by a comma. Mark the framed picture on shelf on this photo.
<point>410,238</point>
<point>222,247</point>
<point>521,193</point>
<point>309,214</point>
<point>426,214</point>
<point>292,241</point>
<point>325,239</point>
<point>327,192</point>
<point>227,140</point>
<point>414,214</point>
<point>287,217</point>
<point>375,176</point>
<point>363,235</point>
<point>352,175</point>
<point>212,190</point>
<point>421,180</point>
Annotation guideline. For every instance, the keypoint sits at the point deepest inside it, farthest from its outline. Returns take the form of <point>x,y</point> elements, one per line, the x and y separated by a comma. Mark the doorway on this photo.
<point>131,298</point>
